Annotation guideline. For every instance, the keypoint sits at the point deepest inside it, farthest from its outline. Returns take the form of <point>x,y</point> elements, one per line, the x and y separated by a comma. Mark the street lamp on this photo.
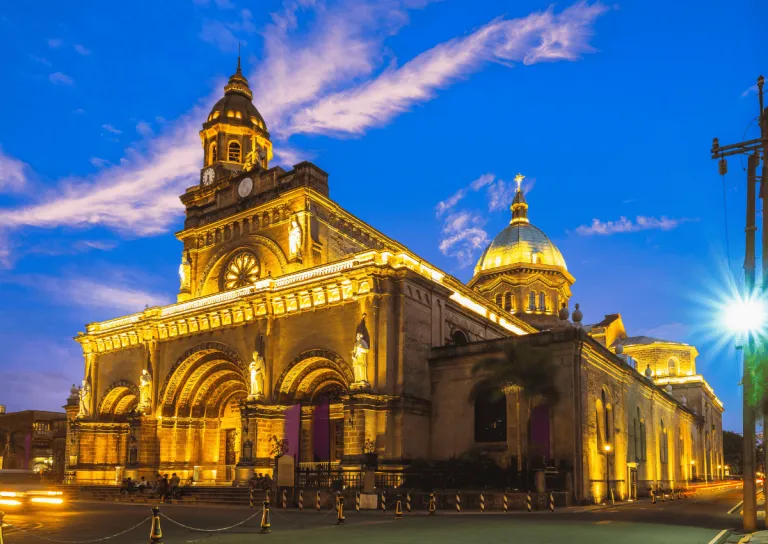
<point>607,449</point>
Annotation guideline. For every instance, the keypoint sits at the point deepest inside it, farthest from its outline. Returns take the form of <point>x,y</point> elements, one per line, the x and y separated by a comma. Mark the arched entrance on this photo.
<point>314,383</point>
<point>199,423</point>
<point>120,399</point>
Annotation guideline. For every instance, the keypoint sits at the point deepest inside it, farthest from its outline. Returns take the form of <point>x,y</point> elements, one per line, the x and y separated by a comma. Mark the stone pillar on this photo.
<point>72,438</point>
<point>307,453</point>
<point>148,448</point>
<point>354,431</point>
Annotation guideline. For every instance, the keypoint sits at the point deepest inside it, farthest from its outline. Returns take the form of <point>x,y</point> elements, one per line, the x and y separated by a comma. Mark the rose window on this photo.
<point>242,270</point>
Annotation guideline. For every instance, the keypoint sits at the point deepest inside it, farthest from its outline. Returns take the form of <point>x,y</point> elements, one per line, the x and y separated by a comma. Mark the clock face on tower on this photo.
<point>208,176</point>
<point>245,187</point>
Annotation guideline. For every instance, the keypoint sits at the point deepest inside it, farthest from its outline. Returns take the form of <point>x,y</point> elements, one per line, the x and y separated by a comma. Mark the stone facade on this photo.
<point>273,269</point>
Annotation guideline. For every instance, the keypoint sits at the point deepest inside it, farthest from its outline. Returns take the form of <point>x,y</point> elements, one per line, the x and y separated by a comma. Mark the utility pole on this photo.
<point>753,149</point>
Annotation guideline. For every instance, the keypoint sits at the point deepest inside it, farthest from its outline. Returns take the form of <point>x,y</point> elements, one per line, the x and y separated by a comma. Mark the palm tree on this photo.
<point>521,370</point>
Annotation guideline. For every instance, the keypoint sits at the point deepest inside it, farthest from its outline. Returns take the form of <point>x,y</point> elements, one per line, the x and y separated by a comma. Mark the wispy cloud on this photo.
<point>13,175</point>
<point>120,298</point>
<point>99,162</point>
<point>222,34</point>
<point>309,80</point>
<point>539,37</point>
<point>675,331</point>
<point>749,90</point>
<point>110,128</point>
<point>463,236</point>
<point>145,129</point>
<point>81,49</point>
<point>59,78</point>
<point>55,43</point>
<point>41,60</point>
<point>623,225</point>
<point>451,202</point>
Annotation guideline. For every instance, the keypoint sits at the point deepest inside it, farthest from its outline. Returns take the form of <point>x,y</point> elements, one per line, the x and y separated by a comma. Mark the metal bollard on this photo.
<point>458,501</point>
<point>505,504</point>
<point>250,497</point>
<point>2,515</point>
<point>357,501</point>
<point>663,496</point>
<point>340,519</point>
<point>383,501</point>
<point>398,509</point>
<point>613,500</point>
<point>432,504</point>
<point>551,502</point>
<point>408,502</point>
<point>285,504</point>
<point>528,502</point>
<point>318,501</point>
<point>156,533</point>
<point>482,502</point>
<point>266,520</point>
<point>653,497</point>
<point>301,500</point>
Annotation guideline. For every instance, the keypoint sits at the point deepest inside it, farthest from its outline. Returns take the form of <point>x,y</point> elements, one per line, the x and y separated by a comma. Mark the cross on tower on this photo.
<point>519,179</point>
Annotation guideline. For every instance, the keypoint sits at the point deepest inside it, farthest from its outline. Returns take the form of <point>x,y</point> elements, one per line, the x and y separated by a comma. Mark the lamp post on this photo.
<point>753,150</point>
<point>607,449</point>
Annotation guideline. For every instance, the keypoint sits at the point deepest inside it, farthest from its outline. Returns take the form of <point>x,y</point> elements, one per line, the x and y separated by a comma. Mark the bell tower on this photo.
<point>234,137</point>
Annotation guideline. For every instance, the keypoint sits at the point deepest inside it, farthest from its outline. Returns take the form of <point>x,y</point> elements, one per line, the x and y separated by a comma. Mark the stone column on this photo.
<point>354,431</point>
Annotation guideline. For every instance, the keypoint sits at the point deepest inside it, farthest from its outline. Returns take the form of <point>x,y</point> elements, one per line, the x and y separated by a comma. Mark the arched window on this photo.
<point>535,258</point>
<point>638,436</point>
<point>672,366</point>
<point>532,301</point>
<point>498,300</point>
<point>508,301</point>
<point>491,418</point>
<point>238,115</point>
<point>213,155</point>
<point>233,154</point>
<point>542,302</point>
<point>459,338</point>
<point>663,444</point>
<point>600,420</point>
<point>607,418</point>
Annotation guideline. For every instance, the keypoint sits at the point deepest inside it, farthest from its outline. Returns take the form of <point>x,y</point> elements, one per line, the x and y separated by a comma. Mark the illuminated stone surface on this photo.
<point>315,277</point>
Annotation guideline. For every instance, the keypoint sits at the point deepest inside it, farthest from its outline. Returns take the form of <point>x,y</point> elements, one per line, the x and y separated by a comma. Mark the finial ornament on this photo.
<point>519,179</point>
<point>239,71</point>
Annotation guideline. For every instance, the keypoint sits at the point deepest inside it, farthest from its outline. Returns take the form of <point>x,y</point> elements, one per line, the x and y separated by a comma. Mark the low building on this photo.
<point>33,440</point>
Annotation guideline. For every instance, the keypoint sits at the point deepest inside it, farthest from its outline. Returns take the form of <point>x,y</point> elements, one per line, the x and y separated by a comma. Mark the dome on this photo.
<point>520,243</point>
<point>236,106</point>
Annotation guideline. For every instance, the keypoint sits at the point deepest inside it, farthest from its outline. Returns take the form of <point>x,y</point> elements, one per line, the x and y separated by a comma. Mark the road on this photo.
<point>694,521</point>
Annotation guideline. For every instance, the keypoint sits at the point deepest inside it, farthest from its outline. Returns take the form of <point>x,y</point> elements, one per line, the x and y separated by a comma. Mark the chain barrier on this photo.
<point>36,535</point>
<point>198,530</point>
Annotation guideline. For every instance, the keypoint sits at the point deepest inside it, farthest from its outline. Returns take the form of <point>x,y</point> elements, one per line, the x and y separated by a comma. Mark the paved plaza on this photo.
<point>696,521</point>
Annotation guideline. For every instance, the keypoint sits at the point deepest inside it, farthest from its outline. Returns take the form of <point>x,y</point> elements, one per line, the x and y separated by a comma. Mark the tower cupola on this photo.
<point>234,136</point>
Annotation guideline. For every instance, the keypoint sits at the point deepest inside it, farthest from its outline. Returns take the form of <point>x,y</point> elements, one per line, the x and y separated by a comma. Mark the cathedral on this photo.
<point>302,333</point>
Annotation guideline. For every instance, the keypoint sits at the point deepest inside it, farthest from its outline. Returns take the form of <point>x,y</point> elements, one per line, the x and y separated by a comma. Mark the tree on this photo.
<point>733,444</point>
<point>521,370</point>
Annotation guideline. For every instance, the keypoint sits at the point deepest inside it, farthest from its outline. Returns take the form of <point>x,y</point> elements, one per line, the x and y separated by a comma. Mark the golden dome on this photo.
<point>520,243</point>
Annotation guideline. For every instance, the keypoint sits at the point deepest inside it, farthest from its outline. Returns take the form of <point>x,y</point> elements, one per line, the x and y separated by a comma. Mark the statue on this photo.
<point>184,272</point>
<point>294,239</point>
<point>360,363</point>
<point>648,371</point>
<point>257,370</point>
<point>145,392</point>
<point>85,397</point>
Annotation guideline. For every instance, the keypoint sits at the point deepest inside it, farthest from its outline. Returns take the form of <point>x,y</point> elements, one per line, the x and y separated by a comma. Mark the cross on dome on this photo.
<point>519,179</point>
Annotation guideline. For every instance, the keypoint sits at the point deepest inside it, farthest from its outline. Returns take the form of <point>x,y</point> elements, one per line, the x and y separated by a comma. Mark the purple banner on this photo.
<point>321,431</point>
<point>292,430</point>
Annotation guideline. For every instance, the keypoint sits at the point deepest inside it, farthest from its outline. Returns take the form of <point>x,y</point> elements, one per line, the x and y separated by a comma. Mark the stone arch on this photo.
<point>310,370</point>
<point>120,398</point>
<point>252,242</point>
<point>196,381</point>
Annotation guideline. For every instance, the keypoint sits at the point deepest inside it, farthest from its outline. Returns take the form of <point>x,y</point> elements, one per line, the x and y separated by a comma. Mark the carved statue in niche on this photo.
<point>145,392</point>
<point>85,399</point>
<point>294,239</point>
<point>184,269</point>
<point>257,369</point>
<point>360,363</point>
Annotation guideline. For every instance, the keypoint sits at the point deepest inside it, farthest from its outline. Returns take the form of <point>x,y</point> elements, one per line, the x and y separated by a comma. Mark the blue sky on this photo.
<point>608,109</point>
